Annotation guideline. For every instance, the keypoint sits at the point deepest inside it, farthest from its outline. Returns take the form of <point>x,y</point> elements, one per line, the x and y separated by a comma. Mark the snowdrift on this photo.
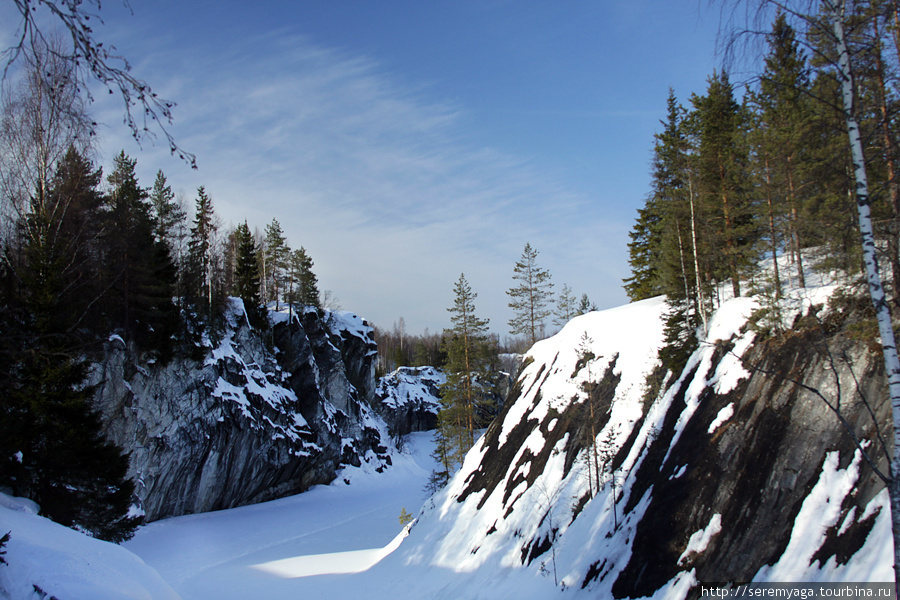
<point>46,558</point>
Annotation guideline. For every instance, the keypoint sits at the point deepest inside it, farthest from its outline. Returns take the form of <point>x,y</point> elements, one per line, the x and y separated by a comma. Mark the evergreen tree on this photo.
<point>201,264</point>
<point>168,214</point>
<point>721,162</point>
<point>140,268</point>
<point>780,140</point>
<point>585,305</point>
<point>67,226</point>
<point>303,284</point>
<point>529,299</point>
<point>470,368</point>
<point>275,263</point>
<point>246,276</point>
<point>565,306</point>
<point>52,448</point>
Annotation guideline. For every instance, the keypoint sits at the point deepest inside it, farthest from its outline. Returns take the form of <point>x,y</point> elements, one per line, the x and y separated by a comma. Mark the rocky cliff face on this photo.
<point>740,467</point>
<point>248,423</point>
<point>409,399</point>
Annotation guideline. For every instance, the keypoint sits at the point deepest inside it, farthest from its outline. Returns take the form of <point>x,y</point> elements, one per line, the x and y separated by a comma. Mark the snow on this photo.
<point>411,385</point>
<point>722,417</point>
<point>700,539</point>
<point>67,564</point>
<point>345,540</point>
<point>295,546</point>
<point>821,510</point>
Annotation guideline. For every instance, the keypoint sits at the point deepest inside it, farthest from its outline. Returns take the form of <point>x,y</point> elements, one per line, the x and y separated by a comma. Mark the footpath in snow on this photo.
<point>304,546</point>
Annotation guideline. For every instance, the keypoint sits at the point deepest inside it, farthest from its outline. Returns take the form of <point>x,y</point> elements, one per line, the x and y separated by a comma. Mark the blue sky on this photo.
<point>405,142</point>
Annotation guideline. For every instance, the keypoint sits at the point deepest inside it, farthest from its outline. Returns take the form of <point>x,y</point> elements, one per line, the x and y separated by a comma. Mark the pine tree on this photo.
<point>303,284</point>
<point>585,305</point>
<point>529,299</point>
<point>566,308</point>
<point>470,366</point>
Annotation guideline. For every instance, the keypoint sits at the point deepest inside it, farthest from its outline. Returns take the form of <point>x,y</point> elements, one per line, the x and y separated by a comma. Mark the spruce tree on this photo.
<point>52,449</point>
<point>304,286</point>
<point>566,307</point>
<point>139,267</point>
<point>722,164</point>
<point>529,299</point>
<point>275,263</point>
<point>201,261</point>
<point>780,139</point>
<point>246,276</point>
<point>169,215</point>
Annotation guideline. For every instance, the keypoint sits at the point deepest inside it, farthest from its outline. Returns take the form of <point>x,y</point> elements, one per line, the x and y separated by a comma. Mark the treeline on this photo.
<point>532,302</point>
<point>769,174</point>
<point>85,257</point>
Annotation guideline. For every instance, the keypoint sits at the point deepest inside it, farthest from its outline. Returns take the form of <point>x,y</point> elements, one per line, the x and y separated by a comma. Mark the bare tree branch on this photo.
<point>144,111</point>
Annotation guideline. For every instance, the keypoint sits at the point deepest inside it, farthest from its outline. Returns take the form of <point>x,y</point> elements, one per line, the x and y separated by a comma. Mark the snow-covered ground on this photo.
<point>302,546</point>
<point>339,541</point>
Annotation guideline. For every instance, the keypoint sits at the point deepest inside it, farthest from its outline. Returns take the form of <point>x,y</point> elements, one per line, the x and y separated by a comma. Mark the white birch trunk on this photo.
<point>835,9</point>
<point>700,303</point>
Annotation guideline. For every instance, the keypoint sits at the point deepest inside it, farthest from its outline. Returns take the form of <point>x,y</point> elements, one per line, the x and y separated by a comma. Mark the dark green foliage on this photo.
<point>53,452</point>
<point>139,270</point>
<point>275,257</point>
<point>246,276</point>
<point>51,446</point>
<point>201,288</point>
<point>303,286</point>
<point>471,367</point>
<point>3,541</point>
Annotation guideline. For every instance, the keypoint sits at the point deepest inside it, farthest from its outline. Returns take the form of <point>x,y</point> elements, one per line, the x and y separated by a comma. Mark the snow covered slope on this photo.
<point>66,564</point>
<point>724,473</point>
<point>727,471</point>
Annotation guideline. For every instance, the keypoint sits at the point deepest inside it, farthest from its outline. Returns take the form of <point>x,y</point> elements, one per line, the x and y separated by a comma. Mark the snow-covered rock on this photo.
<point>409,399</point>
<point>249,421</point>
<point>728,471</point>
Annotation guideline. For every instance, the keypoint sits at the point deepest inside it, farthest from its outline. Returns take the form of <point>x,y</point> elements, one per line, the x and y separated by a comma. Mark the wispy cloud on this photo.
<point>378,179</point>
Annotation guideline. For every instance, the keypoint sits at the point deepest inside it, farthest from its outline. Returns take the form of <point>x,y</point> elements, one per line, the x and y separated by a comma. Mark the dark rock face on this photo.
<point>247,424</point>
<point>757,469</point>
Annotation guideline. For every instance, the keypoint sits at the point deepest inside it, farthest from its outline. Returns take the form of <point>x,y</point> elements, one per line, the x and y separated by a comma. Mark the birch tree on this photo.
<point>831,22</point>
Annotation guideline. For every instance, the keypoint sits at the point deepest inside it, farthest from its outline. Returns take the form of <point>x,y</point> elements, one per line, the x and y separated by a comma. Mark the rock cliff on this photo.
<point>409,399</point>
<point>251,421</point>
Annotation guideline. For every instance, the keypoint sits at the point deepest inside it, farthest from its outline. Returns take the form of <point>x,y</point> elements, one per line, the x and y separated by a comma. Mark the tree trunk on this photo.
<point>888,146</point>
<point>772,231</point>
<point>701,305</point>
<point>876,290</point>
